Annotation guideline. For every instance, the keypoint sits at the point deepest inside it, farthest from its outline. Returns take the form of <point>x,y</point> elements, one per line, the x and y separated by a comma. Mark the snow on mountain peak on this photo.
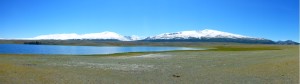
<point>215,33</point>
<point>206,33</point>
<point>58,36</point>
<point>102,35</point>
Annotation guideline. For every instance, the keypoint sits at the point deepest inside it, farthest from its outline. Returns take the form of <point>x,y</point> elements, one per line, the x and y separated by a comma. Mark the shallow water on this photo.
<point>79,50</point>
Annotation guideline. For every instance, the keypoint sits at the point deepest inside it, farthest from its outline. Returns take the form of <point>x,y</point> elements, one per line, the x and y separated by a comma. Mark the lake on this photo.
<point>79,50</point>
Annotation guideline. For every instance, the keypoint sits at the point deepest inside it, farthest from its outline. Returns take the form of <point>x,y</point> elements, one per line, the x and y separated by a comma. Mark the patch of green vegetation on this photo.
<point>217,48</point>
<point>123,54</point>
<point>184,51</point>
<point>243,48</point>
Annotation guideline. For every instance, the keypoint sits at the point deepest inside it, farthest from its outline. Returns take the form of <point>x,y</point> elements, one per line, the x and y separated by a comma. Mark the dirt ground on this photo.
<point>180,67</point>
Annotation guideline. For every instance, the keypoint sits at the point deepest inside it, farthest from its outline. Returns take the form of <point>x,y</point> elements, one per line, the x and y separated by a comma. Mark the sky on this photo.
<point>271,19</point>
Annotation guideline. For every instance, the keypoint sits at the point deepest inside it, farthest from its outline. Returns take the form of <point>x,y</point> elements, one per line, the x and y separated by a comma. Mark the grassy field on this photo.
<point>222,64</point>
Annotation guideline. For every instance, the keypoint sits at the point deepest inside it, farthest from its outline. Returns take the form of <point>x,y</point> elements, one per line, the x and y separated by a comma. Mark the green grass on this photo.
<point>218,48</point>
<point>123,54</point>
<point>244,48</point>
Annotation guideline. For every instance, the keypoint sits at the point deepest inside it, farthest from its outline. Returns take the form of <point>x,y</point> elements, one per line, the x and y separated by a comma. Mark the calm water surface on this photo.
<point>78,50</point>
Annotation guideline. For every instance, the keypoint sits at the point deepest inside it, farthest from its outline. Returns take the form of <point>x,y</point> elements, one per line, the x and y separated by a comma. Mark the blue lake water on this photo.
<point>78,50</point>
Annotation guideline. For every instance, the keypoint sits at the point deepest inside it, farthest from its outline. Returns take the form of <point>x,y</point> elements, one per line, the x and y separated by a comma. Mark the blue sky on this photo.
<point>272,19</point>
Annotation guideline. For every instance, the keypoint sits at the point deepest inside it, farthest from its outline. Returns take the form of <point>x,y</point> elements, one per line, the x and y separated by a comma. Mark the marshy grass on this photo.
<point>244,48</point>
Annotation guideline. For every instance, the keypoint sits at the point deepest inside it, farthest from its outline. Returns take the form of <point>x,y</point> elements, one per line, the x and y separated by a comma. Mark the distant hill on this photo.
<point>91,36</point>
<point>287,42</point>
<point>206,35</point>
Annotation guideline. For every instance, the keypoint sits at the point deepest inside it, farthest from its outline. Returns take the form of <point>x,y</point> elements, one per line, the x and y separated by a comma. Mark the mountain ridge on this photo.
<point>101,35</point>
<point>206,35</point>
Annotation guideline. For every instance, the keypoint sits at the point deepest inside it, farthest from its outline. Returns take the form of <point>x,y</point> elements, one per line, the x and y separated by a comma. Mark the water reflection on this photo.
<point>78,50</point>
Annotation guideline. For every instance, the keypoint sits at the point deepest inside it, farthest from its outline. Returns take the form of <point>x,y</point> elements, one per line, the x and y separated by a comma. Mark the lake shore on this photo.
<point>259,64</point>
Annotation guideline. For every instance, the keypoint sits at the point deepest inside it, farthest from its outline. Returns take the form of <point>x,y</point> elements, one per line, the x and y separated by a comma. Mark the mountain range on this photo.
<point>103,35</point>
<point>206,35</point>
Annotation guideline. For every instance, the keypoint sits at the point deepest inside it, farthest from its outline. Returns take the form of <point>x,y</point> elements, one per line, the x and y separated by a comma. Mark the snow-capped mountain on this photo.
<point>102,35</point>
<point>206,33</point>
